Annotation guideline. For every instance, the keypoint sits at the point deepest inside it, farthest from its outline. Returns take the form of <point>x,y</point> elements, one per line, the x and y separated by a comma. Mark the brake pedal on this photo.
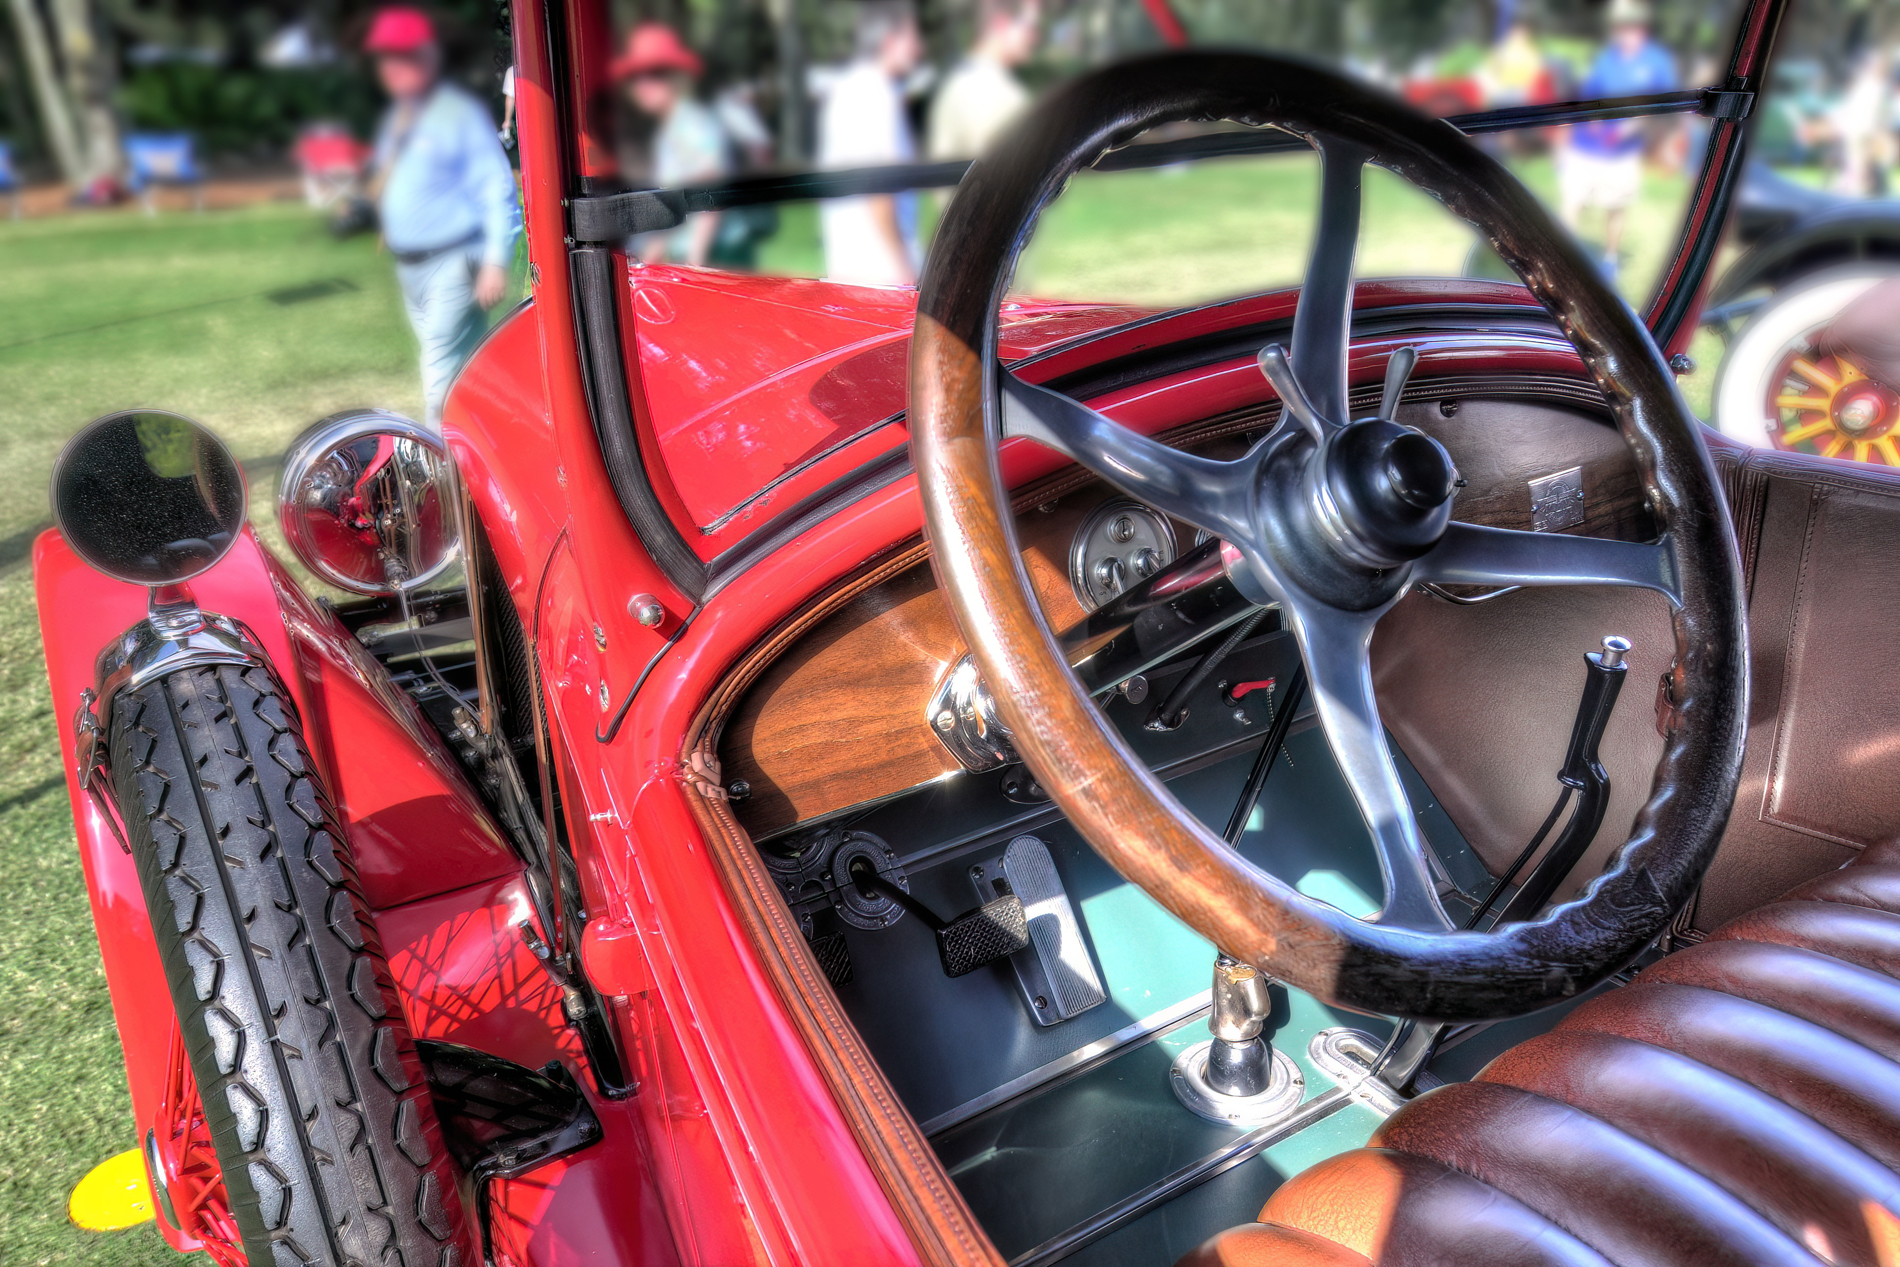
<point>992,931</point>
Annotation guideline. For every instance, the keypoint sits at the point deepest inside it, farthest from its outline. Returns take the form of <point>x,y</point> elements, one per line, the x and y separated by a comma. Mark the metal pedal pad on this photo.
<point>1057,977</point>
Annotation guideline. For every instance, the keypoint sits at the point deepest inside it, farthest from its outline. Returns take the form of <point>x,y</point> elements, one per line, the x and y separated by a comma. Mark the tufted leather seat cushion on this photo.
<point>1738,1103</point>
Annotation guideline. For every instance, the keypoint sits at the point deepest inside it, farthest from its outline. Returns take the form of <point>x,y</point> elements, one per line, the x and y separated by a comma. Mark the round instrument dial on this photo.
<point>1121,544</point>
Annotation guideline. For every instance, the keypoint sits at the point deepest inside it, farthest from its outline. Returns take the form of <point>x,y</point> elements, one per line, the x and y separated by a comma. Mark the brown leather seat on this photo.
<point>1739,1102</point>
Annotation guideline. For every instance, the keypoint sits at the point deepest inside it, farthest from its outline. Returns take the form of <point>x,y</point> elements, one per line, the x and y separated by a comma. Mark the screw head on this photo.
<point>1448,408</point>
<point>646,609</point>
<point>1682,363</point>
<point>946,721</point>
<point>605,699</point>
<point>600,637</point>
<point>738,790</point>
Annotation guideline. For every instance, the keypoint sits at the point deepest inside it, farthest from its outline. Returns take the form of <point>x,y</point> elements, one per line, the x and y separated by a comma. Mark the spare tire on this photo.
<point>317,1104</point>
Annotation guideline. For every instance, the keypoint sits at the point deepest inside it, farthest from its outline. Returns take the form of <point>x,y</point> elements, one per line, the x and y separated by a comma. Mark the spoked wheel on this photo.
<point>182,1161</point>
<point>1778,390</point>
<point>313,1097</point>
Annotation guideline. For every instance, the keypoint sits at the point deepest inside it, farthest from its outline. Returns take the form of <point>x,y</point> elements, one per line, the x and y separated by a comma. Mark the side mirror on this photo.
<point>148,497</point>
<point>366,502</point>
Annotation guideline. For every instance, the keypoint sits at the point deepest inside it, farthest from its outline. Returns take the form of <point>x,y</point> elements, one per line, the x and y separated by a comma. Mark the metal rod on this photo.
<point>1174,711</point>
<point>777,187</point>
<point>1285,707</point>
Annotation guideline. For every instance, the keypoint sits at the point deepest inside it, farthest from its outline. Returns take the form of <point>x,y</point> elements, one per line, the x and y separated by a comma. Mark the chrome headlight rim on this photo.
<point>315,446</point>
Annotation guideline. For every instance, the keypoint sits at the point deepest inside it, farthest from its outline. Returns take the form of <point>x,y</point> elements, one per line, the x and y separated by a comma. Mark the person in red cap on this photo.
<point>690,147</point>
<point>446,197</point>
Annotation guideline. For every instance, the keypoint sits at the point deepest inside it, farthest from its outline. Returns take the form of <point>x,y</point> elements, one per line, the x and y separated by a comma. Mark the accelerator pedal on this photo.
<point>1057,977</point>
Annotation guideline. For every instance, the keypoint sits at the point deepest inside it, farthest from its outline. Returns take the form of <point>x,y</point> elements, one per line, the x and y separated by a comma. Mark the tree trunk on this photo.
<point>794,112</point>
<point>89,82</point>
<point>55,123</point>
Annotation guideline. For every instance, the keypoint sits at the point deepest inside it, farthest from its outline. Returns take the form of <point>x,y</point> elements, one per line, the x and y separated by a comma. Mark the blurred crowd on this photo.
<point>865,119</point>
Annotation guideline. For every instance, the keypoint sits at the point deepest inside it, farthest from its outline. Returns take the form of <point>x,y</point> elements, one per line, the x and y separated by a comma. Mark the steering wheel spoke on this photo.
<point>1322,322</point>
<point>1206,493</point>
<point>1337,646</point>
<point>1471,554</point>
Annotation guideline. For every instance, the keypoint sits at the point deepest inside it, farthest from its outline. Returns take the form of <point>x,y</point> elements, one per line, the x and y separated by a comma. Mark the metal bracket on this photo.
<point>962,714</point>
<point>172,636</point>
<point>617,217</point>
<point>90,744</point>
<point>1057,977</point>
<point>1720,103</point>
<point>501,1120</point>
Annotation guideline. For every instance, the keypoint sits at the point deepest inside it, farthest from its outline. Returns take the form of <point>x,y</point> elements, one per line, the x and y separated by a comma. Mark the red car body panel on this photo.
<point>755,393</point>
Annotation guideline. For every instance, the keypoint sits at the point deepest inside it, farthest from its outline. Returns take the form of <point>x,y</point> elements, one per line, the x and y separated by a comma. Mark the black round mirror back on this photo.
<point>148,497</point>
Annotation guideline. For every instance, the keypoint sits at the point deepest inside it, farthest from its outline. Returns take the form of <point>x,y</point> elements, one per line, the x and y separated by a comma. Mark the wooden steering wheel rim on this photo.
<point>1114,801</point>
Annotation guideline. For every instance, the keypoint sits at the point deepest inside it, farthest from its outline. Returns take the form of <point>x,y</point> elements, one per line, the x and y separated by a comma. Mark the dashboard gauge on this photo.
<point>1121,544</point>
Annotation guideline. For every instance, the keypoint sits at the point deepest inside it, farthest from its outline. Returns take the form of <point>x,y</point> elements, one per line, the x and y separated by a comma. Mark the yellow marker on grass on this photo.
<point>113,1195</point>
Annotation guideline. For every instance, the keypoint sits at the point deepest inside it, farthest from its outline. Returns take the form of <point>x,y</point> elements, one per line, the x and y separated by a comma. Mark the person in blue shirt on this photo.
<point>1601,166</point>
<point>446,197</point>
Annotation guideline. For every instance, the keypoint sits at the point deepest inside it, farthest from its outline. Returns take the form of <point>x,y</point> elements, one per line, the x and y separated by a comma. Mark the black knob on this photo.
<point>1420,470</point>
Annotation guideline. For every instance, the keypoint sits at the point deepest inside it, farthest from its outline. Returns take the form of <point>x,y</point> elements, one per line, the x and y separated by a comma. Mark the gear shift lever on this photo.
<point>1240,1060</point>
<point>1235,1076</point>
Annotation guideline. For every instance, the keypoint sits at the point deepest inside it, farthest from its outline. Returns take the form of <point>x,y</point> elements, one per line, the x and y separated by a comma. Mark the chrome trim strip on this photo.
<point>1349,1057</point>
<point>1078,1061</point>
<point>1192,1175</point>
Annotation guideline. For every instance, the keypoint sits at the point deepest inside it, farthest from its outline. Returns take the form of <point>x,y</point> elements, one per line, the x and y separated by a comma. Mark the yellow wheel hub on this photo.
<point>113,1195</point>
<point>1828,405</point>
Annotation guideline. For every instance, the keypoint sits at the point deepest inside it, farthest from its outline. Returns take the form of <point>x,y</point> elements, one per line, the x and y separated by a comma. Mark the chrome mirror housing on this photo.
<point>148,497</point>
<point>365,502</point>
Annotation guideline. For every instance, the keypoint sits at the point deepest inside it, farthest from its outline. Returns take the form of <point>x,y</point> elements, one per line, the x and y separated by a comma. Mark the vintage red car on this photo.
<point>810,832</point>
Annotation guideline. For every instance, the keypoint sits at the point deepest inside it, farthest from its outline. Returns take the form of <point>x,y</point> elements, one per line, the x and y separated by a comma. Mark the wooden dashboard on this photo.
<point>837,719</point>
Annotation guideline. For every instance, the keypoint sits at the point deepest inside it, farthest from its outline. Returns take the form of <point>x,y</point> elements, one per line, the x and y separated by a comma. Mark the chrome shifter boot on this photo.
<point>1236,1076</point>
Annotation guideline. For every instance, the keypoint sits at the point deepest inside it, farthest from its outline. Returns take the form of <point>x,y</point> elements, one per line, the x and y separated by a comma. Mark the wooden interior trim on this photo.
<point>921,1192</point>
<point>940,1223</point>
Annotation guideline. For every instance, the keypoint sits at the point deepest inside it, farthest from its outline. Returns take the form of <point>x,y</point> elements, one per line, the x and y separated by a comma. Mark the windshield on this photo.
<point>825,143</point>
<point>917,89</point>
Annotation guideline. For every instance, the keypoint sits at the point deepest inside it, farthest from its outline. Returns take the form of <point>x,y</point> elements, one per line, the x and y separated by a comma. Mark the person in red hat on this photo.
<point>446,197</point>
<point>690,147</point>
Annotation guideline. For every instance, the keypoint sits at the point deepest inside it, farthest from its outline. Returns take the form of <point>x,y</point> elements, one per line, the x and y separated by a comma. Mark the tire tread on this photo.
<point>328,1141</point>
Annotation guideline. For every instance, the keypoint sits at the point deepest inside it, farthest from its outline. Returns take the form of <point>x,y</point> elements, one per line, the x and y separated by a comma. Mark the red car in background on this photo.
<point>870,733</point>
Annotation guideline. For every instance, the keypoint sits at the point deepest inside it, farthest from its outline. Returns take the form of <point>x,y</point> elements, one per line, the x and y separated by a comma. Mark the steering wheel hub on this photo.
<point>1382,492</point>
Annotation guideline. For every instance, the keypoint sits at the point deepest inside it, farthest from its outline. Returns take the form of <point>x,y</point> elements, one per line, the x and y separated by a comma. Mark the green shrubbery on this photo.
<point>245,111</point>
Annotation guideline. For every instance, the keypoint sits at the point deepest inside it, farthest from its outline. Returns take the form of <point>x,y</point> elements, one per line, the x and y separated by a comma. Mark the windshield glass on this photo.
<point>824,141</point>
<point>849,85</point>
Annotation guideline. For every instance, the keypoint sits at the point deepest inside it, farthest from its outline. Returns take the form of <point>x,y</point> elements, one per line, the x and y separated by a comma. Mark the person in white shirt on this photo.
<point>872,240</point>
<point>982,96</point>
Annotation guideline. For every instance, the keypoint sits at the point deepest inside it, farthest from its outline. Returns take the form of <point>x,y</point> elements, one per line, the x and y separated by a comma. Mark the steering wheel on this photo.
<point>1334,519</point>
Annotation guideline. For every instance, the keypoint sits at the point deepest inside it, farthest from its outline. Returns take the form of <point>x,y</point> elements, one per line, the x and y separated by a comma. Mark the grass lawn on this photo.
<point>257,323</point>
